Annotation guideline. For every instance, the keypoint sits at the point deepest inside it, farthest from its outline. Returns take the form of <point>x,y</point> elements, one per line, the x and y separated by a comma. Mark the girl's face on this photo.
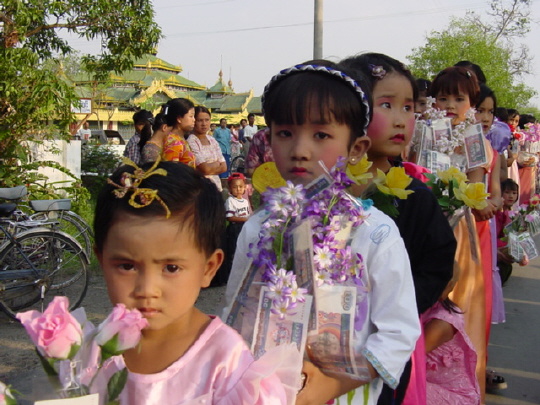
<point>421,105</point>
<point>456,105</point>
<point>514,121</point>
<point>154,265</point>
<point>186,123</point>
<point>509,197</point>
<point>485,114</point>
<point>202,123</point>
<point>297,149</point>
<point>393,116</point>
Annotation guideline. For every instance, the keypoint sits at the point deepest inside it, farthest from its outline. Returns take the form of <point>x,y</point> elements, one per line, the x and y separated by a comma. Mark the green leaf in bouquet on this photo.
<point>116,384</point>
<point>432,179</point>
<point>10,398</point>
<point>290,263</point>
<point>109,349</point>
<point>47,364</point>
<point>385,203</point>
<point>452,185</point>
<point>436,189</point>
<point>73,351</point>
<point>445,201</point>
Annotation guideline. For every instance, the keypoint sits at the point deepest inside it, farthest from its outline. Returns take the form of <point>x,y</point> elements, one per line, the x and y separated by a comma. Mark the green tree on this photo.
<point>35,94</point>
<point>489,45</point>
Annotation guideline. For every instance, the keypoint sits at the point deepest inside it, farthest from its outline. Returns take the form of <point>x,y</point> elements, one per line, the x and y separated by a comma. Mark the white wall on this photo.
<point>68,155</point>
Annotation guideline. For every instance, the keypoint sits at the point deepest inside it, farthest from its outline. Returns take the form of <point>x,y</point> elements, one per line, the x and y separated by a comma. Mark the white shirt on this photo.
<point>249,131</point>
<point>392,327</point>
<point>237,207</point>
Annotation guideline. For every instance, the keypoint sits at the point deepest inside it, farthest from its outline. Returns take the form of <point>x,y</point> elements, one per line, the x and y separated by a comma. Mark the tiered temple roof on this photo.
<point>152,82</point>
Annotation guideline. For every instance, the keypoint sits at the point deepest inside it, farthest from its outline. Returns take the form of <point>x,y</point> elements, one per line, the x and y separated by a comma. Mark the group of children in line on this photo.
<point>431,286</point>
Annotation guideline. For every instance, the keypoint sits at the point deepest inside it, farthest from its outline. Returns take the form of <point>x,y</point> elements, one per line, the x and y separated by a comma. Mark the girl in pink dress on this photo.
<point>450,355</point>
<point>158,231</point>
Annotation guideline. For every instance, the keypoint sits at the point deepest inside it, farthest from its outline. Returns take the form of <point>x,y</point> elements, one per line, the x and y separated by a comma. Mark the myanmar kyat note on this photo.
<point>271,331</point>
<point>330,345</point>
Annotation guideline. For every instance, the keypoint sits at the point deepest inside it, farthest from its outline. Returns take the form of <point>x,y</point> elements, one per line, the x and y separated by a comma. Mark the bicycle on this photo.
<point>51,213</point>
<point>238,164</point>
<point>37,264</point>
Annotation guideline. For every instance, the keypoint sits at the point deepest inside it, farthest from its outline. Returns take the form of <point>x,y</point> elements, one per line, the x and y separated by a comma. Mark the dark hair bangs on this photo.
<point>193,200</point>
<point>510,185</point>
<point>314,97</point>
<point>486,92</point>
<point>454,79</point>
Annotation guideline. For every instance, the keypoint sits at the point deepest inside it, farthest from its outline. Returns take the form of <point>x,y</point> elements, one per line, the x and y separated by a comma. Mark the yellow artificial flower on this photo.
<point>473,195</point>
<point>452,173</point>
<point>359,171</point>
<point>394,183</point>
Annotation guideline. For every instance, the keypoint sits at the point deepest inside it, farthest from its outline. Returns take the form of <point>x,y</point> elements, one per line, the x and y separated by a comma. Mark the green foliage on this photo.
<point>533,110</point>
<point>126,29</point>
<point>40,188</point>
<point>31,96</point>
<point>464,40</point>
<point>98,162</point>
<point>36,94</point>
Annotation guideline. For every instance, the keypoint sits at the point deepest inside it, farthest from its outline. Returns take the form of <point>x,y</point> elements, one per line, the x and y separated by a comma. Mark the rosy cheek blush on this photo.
<point>377,126</point>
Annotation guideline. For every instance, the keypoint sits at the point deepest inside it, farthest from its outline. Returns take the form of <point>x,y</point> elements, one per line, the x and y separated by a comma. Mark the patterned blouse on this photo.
<point>260,150</point>
<point>176,149</point>
<point>207,154</point>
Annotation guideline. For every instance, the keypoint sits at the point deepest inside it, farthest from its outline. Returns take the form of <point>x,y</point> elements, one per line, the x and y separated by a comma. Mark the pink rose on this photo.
<point>56,333</point>
<point>120,331</point>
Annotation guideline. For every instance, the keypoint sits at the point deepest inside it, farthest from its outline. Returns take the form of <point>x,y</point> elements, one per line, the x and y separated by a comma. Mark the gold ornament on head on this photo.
<point>131,181</point>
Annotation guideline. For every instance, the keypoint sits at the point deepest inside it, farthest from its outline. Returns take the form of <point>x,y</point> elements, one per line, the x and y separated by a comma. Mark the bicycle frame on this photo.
<point>6,275</point>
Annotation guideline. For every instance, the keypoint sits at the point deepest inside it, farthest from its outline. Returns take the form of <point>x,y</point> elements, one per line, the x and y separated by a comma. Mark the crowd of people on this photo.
<point>426,282</point>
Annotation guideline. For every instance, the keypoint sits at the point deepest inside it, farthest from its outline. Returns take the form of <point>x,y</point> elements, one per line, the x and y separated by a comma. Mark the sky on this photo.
<point>251,40</point>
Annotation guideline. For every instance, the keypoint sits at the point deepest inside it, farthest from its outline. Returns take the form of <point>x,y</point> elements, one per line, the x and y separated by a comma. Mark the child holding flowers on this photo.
<point>318,113</point>
<point>427,235</point>
<point>510,195</point>
<point>456,90</point>
<point>158,229</point>
<point>72,350</point>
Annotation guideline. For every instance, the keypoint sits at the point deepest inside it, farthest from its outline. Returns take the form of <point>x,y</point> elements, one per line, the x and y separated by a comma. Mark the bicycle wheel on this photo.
<point>60,267</point>
<point>72,224</point>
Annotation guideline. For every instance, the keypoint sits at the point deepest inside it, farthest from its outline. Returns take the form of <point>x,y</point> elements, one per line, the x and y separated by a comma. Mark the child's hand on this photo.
<point>504,256</point>
<point>321,388</point>
<point>524,261</point>
<point>486,213</point>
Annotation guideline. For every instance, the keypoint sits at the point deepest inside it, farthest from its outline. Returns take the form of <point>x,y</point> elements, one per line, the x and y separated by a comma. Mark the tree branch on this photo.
<point>60,25</point>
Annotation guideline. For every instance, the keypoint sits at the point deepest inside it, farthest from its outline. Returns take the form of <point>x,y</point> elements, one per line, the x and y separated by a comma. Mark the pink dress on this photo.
<point>451,367</point>
<point>217,369</point>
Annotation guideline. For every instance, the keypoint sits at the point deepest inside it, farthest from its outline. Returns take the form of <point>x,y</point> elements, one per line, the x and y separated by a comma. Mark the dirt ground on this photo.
<point>19,365</point>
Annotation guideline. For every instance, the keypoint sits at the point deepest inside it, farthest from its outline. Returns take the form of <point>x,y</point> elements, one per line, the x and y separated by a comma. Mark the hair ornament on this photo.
<point>141,197</point>
<point>469,73</point>
<point>377,71</point>
<point>165,109</point>
<point>324,70</point>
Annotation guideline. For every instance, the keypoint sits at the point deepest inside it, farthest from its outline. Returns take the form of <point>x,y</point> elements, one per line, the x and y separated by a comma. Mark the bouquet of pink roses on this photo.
<point>72,349</point>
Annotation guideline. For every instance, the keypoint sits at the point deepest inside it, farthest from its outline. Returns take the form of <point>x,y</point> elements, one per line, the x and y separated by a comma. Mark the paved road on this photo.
<point>514,349</point>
